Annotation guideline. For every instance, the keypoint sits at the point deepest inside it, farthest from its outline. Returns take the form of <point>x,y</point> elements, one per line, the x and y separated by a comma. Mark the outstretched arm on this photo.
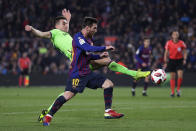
<point>66,13</point>
<point>38,32</point>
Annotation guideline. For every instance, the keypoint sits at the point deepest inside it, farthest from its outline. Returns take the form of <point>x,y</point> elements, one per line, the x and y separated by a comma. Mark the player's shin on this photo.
<point>179,84</point>
<point>57,105</point>
<point>113,66</point>
<point>108,93</point>
<point>172,85</point>
<point>54,102</point>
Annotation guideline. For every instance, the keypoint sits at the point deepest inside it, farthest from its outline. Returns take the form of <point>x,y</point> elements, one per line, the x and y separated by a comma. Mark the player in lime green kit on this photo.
<point>62,40</point>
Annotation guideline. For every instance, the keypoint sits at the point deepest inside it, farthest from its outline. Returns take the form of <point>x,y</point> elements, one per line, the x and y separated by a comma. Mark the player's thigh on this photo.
<point>68,95</point>
<point>76,85</point>
<point>107,84</point>
<point>95,81</point>
<point>102,62</point>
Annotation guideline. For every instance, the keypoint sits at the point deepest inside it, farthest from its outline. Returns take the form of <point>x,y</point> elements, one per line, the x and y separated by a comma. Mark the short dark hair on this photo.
<point>89,21</point>
<point>174,30</point>
<point>146,38</point>
<point>56,20</point>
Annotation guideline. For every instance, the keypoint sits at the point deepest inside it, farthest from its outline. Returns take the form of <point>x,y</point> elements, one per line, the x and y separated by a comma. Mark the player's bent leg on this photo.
<point>96,64</point>
<point>113,66</point>
<point>146,81</point>
<point>56,106</point>
<point>45,111</point>
<point>108,93</point>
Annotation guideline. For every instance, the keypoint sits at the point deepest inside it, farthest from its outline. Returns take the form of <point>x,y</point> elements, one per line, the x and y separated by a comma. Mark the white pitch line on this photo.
<point>95,109</point>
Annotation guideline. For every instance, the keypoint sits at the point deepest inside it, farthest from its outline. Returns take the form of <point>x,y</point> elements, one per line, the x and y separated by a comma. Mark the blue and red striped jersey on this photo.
<point>82,54</point>
<point>143,55</point>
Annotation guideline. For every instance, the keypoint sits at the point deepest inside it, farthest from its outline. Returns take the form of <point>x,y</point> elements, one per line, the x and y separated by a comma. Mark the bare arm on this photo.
<point>38,32</point>
<point>165,58</point>
<point>184,56</point>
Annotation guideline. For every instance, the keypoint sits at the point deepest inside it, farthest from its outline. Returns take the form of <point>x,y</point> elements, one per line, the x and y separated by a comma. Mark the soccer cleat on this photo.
<point>133,93</point>
<point>111,114</point>
<point>178,93</point>
<point>46,120</point>
<point>41,116</point>
<point>144,94</point>
<point>172,95</point>
<point>141,74</point>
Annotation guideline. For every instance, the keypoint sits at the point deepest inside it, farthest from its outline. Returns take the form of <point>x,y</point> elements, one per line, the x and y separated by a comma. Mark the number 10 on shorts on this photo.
<point>75,82</point>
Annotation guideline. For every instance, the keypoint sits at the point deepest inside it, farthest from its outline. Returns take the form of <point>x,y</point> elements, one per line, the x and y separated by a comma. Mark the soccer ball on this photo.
<point>158,76</point>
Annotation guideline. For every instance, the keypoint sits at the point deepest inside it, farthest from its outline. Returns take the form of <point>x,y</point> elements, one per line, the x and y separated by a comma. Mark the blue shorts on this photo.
<point>92,81</point>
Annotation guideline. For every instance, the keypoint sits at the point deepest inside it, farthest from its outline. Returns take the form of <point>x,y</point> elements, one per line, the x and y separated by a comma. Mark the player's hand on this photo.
<point>28,28</point>
<point>104,54</point>
<point>111,48</point>
<point>144,64</point>
<point>66,13</point>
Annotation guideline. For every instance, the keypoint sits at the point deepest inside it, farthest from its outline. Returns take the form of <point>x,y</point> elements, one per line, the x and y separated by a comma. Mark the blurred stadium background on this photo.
<point>121,23</point>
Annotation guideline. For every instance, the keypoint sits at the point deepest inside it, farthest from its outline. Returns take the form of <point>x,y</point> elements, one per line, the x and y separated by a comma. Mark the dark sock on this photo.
<point>145,86</point>
<point>108,92</point>
<point>134,85</point>
<point>57,105</point>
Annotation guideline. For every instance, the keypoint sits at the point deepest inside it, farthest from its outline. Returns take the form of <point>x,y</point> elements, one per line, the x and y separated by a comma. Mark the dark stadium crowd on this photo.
<point>122,23</point>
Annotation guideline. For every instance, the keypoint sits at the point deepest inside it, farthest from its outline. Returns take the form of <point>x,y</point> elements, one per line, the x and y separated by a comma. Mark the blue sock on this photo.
<point>108,93</point>
<point>57,105</point>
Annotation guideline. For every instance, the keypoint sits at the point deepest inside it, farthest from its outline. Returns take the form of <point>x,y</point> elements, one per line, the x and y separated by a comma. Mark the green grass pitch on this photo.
<point>20,107</point>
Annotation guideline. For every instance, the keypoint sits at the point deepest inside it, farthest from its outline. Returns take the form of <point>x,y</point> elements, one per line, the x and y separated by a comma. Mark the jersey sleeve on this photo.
<point>183,45</point>
<point>167,46</point>
<point>95,57</point>
<point>53,33</point>
<point>137,55</point>
<point>82,44</point>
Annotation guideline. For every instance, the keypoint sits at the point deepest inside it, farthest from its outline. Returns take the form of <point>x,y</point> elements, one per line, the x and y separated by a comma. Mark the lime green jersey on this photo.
<point>62,41</point>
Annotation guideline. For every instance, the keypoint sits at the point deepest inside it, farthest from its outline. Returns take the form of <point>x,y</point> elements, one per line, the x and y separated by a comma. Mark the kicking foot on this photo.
<point>111,114</point>
<point>141,74</point>
<point>41,116</point>
<point>46,120</point>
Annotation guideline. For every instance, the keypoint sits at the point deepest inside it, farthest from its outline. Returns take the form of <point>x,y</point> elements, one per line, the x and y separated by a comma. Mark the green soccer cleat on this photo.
<point>141,74</point>
<point>41,116</point>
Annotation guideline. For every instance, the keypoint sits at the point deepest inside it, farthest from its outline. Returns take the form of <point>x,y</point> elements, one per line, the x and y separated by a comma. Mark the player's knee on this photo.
<point>107,84</point>
<point>68,95</point>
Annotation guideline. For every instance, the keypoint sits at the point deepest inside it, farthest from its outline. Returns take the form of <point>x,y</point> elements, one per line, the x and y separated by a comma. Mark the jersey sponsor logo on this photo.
<point>179,49</point>
<point>81,41</point>
<point>138,51</point>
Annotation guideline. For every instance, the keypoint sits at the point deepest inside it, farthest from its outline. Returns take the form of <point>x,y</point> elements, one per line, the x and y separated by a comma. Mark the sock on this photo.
<point>134,85</point>
<point>172,85</point>
<point>57,105</point>
<point>113,66</point>
<point>26,81</point>
<point>20,81</point>
<point>108,92</point>
<point>179,84</point>
<point>54,102</point>
<point>145,86</point>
